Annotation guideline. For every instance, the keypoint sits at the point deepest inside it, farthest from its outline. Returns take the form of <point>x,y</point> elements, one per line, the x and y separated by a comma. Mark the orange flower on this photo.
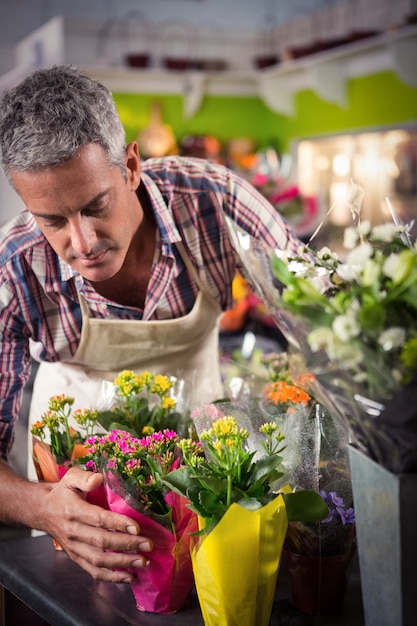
<point>286,394</point>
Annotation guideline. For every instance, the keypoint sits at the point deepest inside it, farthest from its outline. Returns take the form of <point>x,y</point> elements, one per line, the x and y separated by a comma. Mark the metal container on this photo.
<point>386,513</point>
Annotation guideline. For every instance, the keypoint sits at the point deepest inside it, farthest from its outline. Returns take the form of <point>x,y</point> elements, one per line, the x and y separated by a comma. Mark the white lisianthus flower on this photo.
<point>364,228</point>
<point>390,265</point>
<point>384,232</point>
<point>360,255</point>
<point>326,254</point>
<point>350,237</point>
<point>321,339</point>
<point>349,273</point>
<point>345,327</point>
<point>392,338</point>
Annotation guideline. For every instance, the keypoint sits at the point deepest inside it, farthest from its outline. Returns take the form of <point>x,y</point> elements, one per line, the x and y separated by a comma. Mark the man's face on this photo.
<point>86,209</point>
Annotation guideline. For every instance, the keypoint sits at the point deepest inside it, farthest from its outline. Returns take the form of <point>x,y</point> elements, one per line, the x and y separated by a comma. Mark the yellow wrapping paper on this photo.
<point>236,565</point>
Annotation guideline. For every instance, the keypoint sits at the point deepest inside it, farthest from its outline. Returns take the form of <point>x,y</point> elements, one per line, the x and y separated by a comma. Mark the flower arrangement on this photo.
<point>56,444</point>
<point>329,537</point>
<point>368,309</point>
<point>231,491</point>
<point>144,404</point>
<point>140,462</point>
<point>361,331</point>
<point>286,396</point>
<point>134,469</point>
<point>226,474</point>
<point>350,321</point>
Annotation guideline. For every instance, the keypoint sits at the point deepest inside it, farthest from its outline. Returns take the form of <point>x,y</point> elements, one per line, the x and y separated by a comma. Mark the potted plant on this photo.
<point>133,470</point>
<point>242,521</point>
<point>146,402</point>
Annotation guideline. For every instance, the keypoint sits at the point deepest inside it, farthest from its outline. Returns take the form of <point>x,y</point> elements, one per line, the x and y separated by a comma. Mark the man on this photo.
<point>115,264</point>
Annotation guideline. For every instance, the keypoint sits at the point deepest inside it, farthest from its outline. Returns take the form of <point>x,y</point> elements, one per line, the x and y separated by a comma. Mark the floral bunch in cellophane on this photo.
<point>147,402</point>
<point>316,457</point>
<point>323,464</point>
<point>56,444</point>
<point>133,469</point>
<point>242,521</point>
<point>351,322</point>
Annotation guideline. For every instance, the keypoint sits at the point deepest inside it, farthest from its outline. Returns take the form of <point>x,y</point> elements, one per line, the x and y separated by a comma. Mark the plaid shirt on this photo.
<point>39,309</point>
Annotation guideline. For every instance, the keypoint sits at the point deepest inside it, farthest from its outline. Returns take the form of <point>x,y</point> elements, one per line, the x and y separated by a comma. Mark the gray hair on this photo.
<point>51,114</point>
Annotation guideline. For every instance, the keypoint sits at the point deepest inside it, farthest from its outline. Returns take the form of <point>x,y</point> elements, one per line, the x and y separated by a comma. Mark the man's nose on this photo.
<point>83,236</point>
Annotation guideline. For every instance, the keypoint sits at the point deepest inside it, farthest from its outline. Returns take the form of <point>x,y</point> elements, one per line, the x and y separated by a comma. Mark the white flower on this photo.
<point>350,237</point>
<point>338,351</point>
<point>392,338</point>
<point>385,232</point>
<point>345,327</point>
<point>390,265</point>
<point>364,228</point>
<point>326,254</point>
<point>360,255</point>
<point>349,273</point>
<point>321,339</point>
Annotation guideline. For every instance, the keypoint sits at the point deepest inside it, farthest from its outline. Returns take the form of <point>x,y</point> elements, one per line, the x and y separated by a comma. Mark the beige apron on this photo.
<point>186,347</point>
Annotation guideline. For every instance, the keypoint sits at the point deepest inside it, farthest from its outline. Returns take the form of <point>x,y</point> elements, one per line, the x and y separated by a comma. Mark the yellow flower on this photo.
<point>146,379</point>
<point>168,403</point>
<point>57,403</point>
<point>84,416</point>
<point>161,385</point>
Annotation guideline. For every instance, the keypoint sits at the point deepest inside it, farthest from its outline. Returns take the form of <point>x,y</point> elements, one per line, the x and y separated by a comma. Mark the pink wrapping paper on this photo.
<point>165,584</point>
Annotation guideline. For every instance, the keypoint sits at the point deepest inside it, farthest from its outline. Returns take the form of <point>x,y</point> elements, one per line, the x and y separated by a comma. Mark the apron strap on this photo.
<point>194,273</point>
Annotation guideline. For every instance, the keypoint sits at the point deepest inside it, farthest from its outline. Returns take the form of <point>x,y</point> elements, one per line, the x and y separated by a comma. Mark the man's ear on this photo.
<point>133,165</point>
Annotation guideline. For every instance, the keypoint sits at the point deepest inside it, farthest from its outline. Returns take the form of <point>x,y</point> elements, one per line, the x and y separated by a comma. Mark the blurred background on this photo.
<point>299,97</point>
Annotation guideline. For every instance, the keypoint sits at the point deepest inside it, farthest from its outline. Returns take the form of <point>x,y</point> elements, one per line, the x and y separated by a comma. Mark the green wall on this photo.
<point>374,101</point>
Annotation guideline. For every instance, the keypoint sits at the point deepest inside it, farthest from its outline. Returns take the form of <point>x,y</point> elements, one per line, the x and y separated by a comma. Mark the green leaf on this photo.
<point>372,315</point>
<point>410,296</point>
<point>211,504</point>
<point>179,480</point>
<point>154,466</point>
<point>305,506</point>
<point>264,467</point>
<point>105,418</point>
<point>281,271</point>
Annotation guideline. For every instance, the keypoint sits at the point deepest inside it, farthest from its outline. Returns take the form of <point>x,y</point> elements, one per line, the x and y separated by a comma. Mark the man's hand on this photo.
<point>97,540</point>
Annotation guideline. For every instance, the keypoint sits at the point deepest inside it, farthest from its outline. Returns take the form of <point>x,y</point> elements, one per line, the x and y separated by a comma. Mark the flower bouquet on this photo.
<point>316,457</point>
<point>351,323</point>
<point>236,554</point>
<point>318,553</point>
<point>133,469</point>
<point>146,402</point>
<point>56,444</point>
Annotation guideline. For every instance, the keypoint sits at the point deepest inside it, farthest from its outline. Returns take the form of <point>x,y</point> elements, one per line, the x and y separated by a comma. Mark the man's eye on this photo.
<point>94,212</point>
<point>53,223</point>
